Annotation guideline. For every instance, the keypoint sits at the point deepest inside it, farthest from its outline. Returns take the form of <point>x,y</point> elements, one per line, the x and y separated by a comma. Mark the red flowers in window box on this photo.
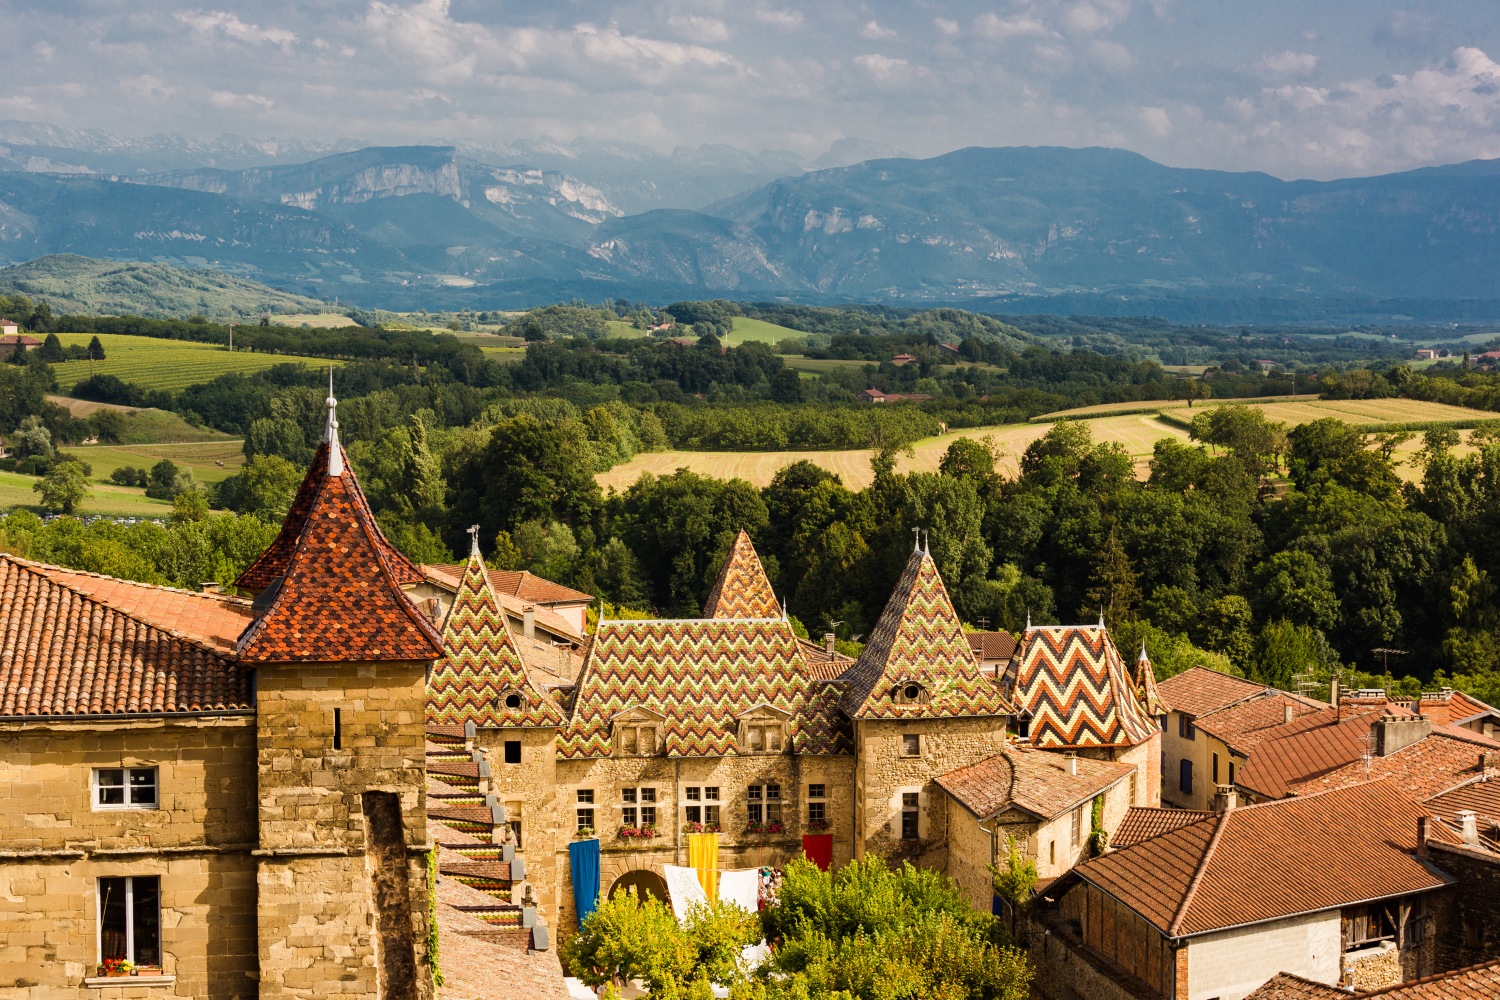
<point>637,833</point>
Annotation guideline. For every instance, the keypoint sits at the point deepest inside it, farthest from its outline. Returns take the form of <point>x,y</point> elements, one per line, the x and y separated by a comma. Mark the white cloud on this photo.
<point>786,20</point>
<point>1094,16</point>
<point>875,33</point>
<point>1111,55</point>
<point>883,68</point>
<point>994,28</point>
<point>1289,63</point>
<point>1156,120</point>
<point>945,26</point>
<point>230,26</point>
<point>227,101</point>
<point>699,29</point>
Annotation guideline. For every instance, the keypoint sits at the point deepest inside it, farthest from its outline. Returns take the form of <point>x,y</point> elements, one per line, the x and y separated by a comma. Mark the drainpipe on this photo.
<point>677,811</point>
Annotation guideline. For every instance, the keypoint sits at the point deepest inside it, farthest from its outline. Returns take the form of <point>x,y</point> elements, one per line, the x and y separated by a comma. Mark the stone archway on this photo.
<point>645,883</point>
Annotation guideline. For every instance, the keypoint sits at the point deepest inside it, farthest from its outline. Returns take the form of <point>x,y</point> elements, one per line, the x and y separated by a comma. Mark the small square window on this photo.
<point>125,788</point>
<point>815,792</point>
<point>815,812</point>
<point>694,793</point>
<point>711,792</point>
<point>585,819</point>
<point>512,751</point>
<point>911,745</point>
<point>627,795</point>
<point>585,795</point>
<point>627,815</point>
<point>648,795</point>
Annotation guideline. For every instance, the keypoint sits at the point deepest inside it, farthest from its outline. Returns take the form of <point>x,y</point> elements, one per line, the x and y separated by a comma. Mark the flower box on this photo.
<point>817,825</point>
<point>691,827</point>
<point>637,833</point>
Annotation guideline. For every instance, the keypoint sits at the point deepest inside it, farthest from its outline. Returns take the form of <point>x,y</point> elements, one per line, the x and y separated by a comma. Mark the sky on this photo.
<point>1297,88</point>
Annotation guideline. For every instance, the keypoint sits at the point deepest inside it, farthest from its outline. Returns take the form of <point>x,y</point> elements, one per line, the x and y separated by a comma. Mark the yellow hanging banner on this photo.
<point>703,856</point>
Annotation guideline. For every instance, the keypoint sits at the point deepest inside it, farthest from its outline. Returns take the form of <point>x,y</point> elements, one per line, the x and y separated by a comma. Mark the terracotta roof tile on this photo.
<point>1449,707</point>
<point>1144,822</point>
<point>1434,763</point>
<point>1075,687</point>
<point>1036,781</point>
<point>213,620</point>
<point>700,676</point>
<point>1242,726</point>
<point>918,640</point>
<point>339,597</point>
<point>521,584</point>
<point>991,645</point>
<point>547,620</point>
<point>1305,748</point>
<point>1198,691</point>
<point>65,652</point>
<point>482,666</point>
<point>1477,982</point>
<point>742,589</point>
<point>1211,875</point>
<point>1286,986</point>
<point>1479,795</point>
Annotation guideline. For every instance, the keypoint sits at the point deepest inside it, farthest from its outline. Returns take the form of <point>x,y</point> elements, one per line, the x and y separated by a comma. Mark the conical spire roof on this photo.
<point>919,644</point>
<point>742,590</point>
<point>1145,685</point>
<point>330,584</point>
<point>482,678</point>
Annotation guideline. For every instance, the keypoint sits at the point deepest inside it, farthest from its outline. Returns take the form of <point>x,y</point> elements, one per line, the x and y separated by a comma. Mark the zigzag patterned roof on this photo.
<point>482,664</point>
<point>742,589</point>
<point>1072,683</point>
<point>919,639</point>
<point>700,675</point>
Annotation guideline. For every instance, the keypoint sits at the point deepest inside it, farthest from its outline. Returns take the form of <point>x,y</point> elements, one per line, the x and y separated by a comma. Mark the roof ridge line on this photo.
<point>30,567</point>
<point>1202,870</point>
<point>120,579</point>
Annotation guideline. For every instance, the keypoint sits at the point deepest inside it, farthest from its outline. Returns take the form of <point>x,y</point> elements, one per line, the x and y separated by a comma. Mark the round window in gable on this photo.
<point>911,691</point>
<point>512,701</point>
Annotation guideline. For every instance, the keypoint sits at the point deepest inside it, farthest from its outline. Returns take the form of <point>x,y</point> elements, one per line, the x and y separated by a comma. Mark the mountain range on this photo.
<point>1008,229</point>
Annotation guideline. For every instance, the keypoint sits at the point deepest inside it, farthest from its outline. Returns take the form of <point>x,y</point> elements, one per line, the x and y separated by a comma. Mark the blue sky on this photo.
<point>1311,88</point>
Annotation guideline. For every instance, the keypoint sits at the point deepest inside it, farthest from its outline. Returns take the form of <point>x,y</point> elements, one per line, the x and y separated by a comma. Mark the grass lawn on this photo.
<point>16,491</point>
<point>210,461</point>
<point>818,366</point>
<point>746,329</point>
<point>165,364</point>
<point>147,426</point>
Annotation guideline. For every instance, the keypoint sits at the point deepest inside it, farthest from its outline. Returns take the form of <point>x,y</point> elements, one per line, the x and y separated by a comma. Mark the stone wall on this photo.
<point>970,854</point>
<point>49,922</point>
<point>1465,920</point>
<point>530,793</point>
<point>883,775</point>
<point>1068,970</point>
<point>317,914</point>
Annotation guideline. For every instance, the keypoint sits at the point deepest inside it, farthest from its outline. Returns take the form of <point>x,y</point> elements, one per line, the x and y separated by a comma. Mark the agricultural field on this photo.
<point>1367,411</point>
<point>209,461</point>
<point>818,366</point>
<point>164,364</point>
<point>1156,405</point>
<point>114,501</point>
<point>144,426</point>
<point>318,321</point>
<point>746,330</point>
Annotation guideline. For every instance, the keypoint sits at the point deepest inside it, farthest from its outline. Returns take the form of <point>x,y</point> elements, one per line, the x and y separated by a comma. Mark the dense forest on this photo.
<point>1286,554</point>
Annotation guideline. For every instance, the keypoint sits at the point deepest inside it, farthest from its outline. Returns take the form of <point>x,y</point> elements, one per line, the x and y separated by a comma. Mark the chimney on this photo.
<point>1286,712</point>
<point>1468,827</point>
<point>828,643</point>
<point>211,588</point>
<point>1073,764</point>
<point>528,621</point>
<point>1422,831</point>
<point>1333,693</point>
<point>1394,732</point>
<point>1225,798</point>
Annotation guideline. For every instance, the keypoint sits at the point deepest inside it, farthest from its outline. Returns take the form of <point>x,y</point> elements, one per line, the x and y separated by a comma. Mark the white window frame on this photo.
<point>580,804</point>
<point>633,799</point>
<point>697,797</point>
<point>125,773</point>
<point>161,945</point>
<point>759,796</point>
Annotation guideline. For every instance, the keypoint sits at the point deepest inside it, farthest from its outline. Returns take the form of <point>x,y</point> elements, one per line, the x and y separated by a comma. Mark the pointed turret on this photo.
<point>1145,685</point>
<point>482,678</point>
<point>917,663</point>
<point>742,589</point>
<point>329,587</point>
<point>1076,688</point>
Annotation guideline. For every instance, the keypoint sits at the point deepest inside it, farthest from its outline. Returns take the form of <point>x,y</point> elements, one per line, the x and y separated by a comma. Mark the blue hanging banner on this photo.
<point>584,856</point>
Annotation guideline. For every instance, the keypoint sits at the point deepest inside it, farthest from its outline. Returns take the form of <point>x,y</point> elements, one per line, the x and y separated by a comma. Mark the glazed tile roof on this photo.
<point>991,645</point>
<point>65,652</point>
<point>1078,693</point>
<point>1146,690</point>
<point>1242,726</point>
<point>1427,767</point>
<point>212,620</point>
<point>338,598</point>
<point>1144,822</point>
<point>742,589</point>
<point>272,564</point>
<point>482,665</point>
<point>918,639</point>
<point>700,676</point>
<point>1034,781</point>
<point>1211,875</point>
<point>1198,691</point>
<point>1286,986</point>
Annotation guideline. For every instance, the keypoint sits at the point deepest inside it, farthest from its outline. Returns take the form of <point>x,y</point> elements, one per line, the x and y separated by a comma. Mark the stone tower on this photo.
<point>340,657</point>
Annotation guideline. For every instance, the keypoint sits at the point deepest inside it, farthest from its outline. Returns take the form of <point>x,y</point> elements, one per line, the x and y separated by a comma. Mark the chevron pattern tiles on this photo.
<point>742,589</point>
<point>918,639</point>
<point>1077,690</point>
<point>699,675</point>
<point>482,665</point>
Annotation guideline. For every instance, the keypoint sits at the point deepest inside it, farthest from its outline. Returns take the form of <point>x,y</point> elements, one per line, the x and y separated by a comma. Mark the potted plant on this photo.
<point>692,826</point>
<point>754,828</point>
<point>775,827</point>
<point>817,825</point>
<point>584,833</point>
<point>115,967</point>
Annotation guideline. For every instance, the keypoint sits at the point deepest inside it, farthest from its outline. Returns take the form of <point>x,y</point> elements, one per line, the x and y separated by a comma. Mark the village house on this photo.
<point>1477,982</point>
<point>14,343</point>
<point>994,649</point>
<point>9,328</point>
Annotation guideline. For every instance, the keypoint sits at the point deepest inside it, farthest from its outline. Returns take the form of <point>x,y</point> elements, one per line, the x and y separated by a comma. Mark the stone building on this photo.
<point>230,793</point>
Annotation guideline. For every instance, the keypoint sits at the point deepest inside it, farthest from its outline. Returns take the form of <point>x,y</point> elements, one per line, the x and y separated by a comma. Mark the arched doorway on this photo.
<point>645,884</point>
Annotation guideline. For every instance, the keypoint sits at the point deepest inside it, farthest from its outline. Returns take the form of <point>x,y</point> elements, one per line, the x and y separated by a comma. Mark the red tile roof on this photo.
<point>1286,986</point>
<point>66,652</point>
<point>1198,691</point>
<point>918,641</point>
<point>1477,982</point>
<point>992,645</point>
<point>1144,822</point>
<point>212,620</point>
<point>1429,766</point>
<point>1479,795</point>
<point>519,583</point>
<point>742,589</point>
<point>1077,690</point>
<point>272,564</point>
<point>1307,747</point>
<point>338,598</point>
<point>1212,875</point>
<point>1451,707</point>
<point>1242,726</point>
<point>1035,781</point>
<point>547,620</point>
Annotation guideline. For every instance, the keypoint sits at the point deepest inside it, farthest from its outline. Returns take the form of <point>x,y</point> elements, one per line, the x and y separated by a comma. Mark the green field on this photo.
<point>746,330</point>
<point>164,364</point>
<point>16,491</point>
<point>145,426</point>
<point>209,461</point>
<point>318,321</point>
<point>819,366</point>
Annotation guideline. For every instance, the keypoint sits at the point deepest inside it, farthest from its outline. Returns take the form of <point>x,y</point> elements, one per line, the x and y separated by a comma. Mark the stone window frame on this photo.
<point>911,812</point>
<point>634,803</point>
<point>696,802</point>
<point>763,729</point>
<point>583,808</point>
<point>502,701</point>
<point>911,691</point>
<point>126,786</point>
<point>636,728</point>
<point>764,802</point>
<point>817,803</point>
<point>908,748</point>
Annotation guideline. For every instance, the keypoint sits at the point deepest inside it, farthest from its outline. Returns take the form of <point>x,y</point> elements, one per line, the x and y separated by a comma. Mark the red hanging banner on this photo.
<point>819,849</point>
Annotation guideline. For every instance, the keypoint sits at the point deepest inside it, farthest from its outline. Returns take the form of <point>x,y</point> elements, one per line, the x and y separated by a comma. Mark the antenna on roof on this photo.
<point>916,540</point>
<point>473,540</point>
<point>331,432</point>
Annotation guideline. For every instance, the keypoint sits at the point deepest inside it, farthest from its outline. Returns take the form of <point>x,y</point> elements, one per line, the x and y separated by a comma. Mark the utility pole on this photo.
<point>1385,655</point>
<point>231,336</point>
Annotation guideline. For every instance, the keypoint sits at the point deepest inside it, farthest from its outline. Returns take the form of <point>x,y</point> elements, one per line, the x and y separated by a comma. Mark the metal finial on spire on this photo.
<point>916,539</point>
<point>1143,658</point>
<point>926,542</point>
<point>1101,616</point>
<point>331,432</point>
<point>602,606</point>
<point>1028,619</point>
<point>783,607</point>
<point>473,540</point>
